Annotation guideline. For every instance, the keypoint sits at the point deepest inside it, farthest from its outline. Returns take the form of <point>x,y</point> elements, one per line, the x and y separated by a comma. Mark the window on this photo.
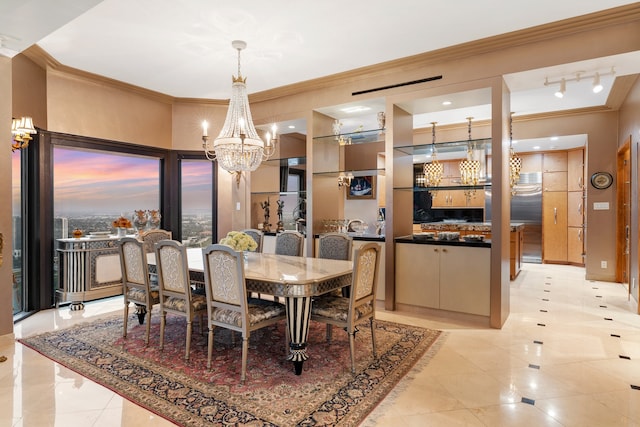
<point>92,188</point>
<point>197,202</point>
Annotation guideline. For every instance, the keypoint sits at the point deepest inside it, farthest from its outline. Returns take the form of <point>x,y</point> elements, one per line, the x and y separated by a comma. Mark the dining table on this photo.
<point>295,279</point>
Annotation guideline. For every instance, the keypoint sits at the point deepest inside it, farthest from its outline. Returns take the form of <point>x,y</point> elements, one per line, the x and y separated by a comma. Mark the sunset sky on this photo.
<point>98,182</point>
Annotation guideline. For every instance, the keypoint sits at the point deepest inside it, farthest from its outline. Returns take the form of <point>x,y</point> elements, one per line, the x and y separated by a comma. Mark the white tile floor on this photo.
<point>570,348</point>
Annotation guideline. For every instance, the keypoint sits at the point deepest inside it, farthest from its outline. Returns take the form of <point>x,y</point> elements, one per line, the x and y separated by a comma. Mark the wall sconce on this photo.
<point>596,87</point>
<point>21,129</point>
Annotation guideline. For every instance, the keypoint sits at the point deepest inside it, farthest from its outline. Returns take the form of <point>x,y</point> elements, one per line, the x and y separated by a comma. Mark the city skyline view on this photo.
<point>94,182</point>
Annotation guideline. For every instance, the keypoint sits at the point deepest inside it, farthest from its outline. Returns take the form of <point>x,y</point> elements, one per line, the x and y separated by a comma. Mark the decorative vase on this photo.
<point>140,220</point>
<point>154,219</point>
<point>77,233</point>
<point>122,232</point>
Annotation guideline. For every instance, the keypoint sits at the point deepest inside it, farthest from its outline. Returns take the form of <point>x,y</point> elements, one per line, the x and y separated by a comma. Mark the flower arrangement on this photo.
<point>239,241</point>
<point>121,222</point>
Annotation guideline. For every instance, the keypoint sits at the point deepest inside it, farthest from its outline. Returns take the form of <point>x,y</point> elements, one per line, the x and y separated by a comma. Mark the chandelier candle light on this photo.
<point>469,168</point>
<point>238,148</point>
<point>515,162</point>
<point>21,129</point>
<point>434,170</point>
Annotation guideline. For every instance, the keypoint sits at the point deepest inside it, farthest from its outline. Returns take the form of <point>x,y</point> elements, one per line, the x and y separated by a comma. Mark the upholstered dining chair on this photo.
<point>150,237</point>
<point>335,246</point>
<point>361,305</point>
<point>256,235</point>
<point>176,296</point>
<point>136,286</point>
<point>290,243</point>
<point>227,303</point>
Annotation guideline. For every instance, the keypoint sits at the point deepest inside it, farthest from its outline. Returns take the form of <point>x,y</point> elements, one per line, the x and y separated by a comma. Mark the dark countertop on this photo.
<point>465,226</point>
<point>422,241</point>
<point>366,237</point>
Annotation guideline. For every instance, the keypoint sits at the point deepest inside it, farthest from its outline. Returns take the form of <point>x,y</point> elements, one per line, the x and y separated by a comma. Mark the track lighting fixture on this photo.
<point>597,85</point>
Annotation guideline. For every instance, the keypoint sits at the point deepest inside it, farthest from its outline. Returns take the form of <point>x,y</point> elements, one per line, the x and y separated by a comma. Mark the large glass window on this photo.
<point>92,188</point>
<point>197,202</point>
<point>16,221</point>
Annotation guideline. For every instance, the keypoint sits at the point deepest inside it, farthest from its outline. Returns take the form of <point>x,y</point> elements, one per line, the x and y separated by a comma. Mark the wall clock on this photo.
<point>601,180</point>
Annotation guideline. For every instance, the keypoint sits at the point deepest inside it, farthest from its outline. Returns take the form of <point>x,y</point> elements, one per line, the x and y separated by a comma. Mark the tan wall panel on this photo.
<point>187,121</point>
<point>79,107</point>
<point>6,311</point>
<point>30,89</point>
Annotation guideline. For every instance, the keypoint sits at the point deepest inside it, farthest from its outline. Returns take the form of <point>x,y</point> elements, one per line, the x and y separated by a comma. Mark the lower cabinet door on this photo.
<point>465,276</point>
<point>417,275</point>
<point>575,241</point>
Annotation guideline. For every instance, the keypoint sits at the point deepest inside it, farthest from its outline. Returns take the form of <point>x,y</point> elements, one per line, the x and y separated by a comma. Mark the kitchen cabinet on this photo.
<point>457,199</point>
<point>575,206</point>
<point>554,226</point>
<point>575,170</point>
<point>575,245</point>
<point>554,162</point>
<point>430,275</point>
<point>516,242</point>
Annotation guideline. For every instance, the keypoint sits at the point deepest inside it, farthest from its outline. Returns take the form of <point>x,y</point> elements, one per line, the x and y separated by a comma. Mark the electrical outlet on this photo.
<point>603,264</point>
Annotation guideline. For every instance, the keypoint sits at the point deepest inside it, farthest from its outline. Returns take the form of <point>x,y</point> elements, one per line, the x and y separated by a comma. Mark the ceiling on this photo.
<point>183,48</point>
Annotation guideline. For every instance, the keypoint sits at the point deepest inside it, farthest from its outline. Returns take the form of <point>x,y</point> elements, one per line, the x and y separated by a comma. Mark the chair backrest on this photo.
<point>225,284</point>
<point>173,271</point>
<point>290,243</point>
<point>133,261</point>
<point>335,246</point>
<point>255,235</point>
<point>150,237</point>
<point>366,263</point>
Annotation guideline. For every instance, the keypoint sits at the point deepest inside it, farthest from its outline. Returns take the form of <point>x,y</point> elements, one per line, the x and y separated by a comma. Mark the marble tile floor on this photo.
<point>568,355</point>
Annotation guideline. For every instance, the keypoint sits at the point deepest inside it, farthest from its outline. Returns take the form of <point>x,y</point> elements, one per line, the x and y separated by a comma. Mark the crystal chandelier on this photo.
<point>469,168</point>
<point>434,170</point>
<point>515,162</point>
<point>238,147</point>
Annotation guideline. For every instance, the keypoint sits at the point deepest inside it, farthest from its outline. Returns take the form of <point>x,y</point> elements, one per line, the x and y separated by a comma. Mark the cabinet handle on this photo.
<point>580,234</point>
<point>555,215</point>
<point>435,250</point>
<point>580,208</point>
<point>444,250</point>
<point>579,182</point>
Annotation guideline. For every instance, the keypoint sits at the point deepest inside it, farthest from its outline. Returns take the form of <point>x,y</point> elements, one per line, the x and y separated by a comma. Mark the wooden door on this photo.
<point>554,227</point>
<point>554,181</point>
<point>623,192</point>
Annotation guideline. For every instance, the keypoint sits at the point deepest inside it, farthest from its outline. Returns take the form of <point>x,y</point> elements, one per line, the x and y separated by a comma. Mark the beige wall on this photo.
<point>6,310</point>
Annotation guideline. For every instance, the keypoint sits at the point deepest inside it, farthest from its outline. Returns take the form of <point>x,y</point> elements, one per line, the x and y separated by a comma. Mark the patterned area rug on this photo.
<point>189,394</point>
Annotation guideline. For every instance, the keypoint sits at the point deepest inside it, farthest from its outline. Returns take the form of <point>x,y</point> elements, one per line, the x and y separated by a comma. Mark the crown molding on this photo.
<point>42,58</point>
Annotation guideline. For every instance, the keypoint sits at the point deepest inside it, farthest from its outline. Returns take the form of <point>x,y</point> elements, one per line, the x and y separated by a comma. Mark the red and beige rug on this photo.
<point>189,394</point>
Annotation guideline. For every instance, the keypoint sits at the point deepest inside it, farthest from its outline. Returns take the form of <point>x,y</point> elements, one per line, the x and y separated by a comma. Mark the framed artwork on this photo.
<point>362,187</point>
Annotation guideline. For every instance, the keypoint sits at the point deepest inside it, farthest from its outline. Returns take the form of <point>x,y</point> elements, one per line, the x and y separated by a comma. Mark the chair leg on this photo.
<point>126,315</point>
<point>352,348</point>
<point>373,336</point>
<point>148,316</point>
<point>329,332</point>
<point>245,349</point>
<point>188,343</point>
<point>210,347</point>
<point>163,320</point>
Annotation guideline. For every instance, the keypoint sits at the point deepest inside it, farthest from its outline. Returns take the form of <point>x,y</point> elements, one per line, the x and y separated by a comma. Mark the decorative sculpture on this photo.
<point>280,224</point>
<point>266,227</point>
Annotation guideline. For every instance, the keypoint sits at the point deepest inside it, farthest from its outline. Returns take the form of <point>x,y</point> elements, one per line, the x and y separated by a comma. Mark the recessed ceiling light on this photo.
<point>553,147</point>
<point>446,103</point>
<point>356,109</point>
<point>536,147</point>
<point>292,127</point>
<point>554,138</point>
<point>515,141</point>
